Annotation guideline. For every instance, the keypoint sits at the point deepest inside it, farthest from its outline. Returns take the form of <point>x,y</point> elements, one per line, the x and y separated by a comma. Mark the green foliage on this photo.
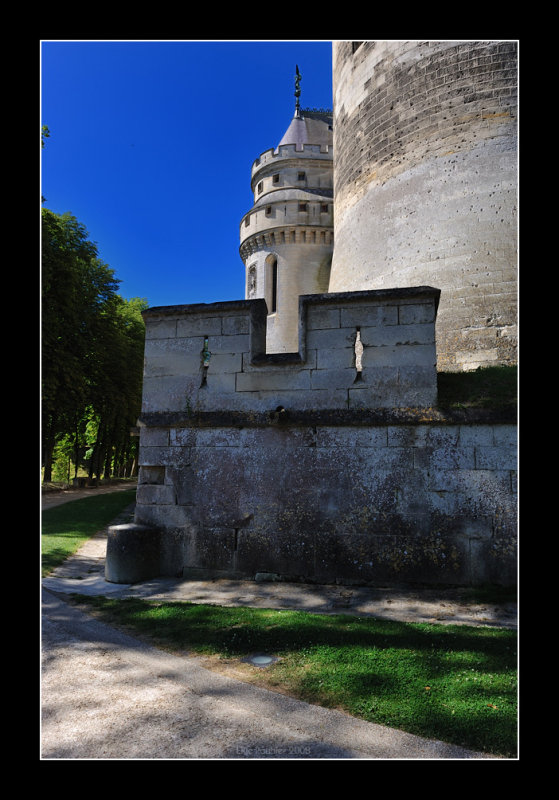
<point>453,683</point>
<point>92,355</point>
<point>62,457</point>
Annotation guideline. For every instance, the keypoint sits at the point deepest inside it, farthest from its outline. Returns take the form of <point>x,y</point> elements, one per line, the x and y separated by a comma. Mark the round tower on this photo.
<point>425,184</point>
<point>287,236</point>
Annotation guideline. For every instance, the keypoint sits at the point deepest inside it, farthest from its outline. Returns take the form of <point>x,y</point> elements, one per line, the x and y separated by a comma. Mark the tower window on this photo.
<point>268,211</point>
<point>247,220</point>
<point>301,176</point>
<point>303,207</point>
<point>275,178</point>
<point>251,288</point>
<point>259,187</point>
<point>274,287</point>
<point>324,208</point>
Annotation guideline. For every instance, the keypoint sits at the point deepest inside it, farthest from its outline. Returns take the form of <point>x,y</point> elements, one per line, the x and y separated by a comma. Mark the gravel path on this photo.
<point>56,498</point>
<point>106,695</point>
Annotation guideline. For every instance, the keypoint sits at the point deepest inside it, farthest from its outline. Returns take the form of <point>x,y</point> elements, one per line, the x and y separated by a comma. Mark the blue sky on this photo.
<point>151,146</point>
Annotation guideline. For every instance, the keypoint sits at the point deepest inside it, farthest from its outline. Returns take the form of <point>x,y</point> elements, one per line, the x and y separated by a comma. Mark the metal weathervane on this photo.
<point>297,89</point>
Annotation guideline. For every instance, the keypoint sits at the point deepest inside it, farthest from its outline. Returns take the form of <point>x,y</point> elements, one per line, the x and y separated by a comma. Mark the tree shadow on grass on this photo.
<point>399,674</point>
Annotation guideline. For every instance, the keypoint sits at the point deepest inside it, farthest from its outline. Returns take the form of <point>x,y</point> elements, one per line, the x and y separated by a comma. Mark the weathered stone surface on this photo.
<point>397,329</point>
<point>425,184</point>
<point>406,503</point>
<point>302,466</point>
<point>133,553</point>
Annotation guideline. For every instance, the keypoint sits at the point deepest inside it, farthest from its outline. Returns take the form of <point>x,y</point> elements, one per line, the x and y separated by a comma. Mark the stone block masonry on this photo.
<point>425,184</point>
<point>396,329</point>
<point>325,465</point>
<point>387,501</point>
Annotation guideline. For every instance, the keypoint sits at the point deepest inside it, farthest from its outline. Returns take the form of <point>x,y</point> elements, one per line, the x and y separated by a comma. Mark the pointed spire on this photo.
<point>297,91</point>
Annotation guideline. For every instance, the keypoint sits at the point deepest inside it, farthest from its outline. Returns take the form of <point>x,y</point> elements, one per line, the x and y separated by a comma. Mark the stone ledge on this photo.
<point>200,308</point>
<point>368,295</point>
<point>328,298</point>
<point>329,417</point>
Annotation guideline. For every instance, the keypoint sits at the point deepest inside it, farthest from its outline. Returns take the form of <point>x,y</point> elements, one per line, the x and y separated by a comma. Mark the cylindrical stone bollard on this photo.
<point>133,553</point>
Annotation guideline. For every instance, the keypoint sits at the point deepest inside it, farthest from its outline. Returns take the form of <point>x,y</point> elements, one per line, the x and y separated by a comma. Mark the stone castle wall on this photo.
<point>303,256</point>
<point>394,500</point>
<point>396,330</point>
<point>425,184</point>
<point>331,464</point>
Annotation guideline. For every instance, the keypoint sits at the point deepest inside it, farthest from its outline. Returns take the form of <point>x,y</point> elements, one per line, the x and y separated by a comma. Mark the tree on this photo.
<point>92,343</point>
<point>117,390</point>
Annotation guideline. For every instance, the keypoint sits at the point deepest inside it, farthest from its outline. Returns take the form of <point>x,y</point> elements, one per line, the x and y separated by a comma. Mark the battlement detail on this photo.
<point>357,350</point>
<point>302,235</point>
<point>285,151</point>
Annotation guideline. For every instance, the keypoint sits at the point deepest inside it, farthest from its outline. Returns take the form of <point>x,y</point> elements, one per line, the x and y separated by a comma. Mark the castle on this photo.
<point>295,433</point>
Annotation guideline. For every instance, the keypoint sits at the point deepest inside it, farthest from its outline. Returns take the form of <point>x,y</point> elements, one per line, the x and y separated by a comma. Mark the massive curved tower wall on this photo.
<point>425,184</point>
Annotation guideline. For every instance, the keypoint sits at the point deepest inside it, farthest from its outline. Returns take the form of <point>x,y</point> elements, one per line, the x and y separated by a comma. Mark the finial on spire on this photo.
<point>297,90</point>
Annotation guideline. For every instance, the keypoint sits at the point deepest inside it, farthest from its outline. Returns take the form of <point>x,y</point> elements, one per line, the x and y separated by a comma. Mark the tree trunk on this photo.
<point>49,442</point>
<point>76,447</point>
<point>47,472</point>
<point>96,463</point>
<point>108,454</point>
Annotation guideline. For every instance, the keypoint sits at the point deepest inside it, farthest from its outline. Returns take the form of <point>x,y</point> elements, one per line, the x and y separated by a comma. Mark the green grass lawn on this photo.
<point>67,526</point>
<point>485,387</point>
<point>452,683</point>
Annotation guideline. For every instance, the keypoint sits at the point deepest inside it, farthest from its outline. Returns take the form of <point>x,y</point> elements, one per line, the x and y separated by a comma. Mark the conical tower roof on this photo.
<point>296,133</point>
<point>309,127</point>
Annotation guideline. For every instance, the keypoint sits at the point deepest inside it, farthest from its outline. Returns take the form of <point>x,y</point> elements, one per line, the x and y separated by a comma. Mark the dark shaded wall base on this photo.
<point>408,502</point>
